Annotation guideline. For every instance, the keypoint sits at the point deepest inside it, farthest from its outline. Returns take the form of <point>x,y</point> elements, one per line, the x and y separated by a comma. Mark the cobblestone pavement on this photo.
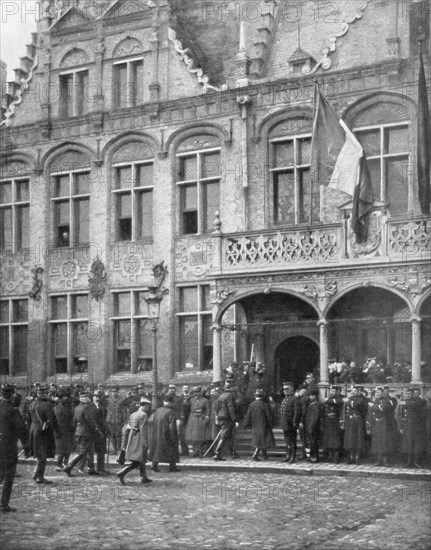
<point>194,509</point>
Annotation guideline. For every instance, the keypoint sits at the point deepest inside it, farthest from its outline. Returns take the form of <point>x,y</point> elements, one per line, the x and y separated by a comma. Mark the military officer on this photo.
<point>378,424</point>
<point>290,416</point>
<point>225,414</point>
<point>413,428</point>
<point>331,430</point>
<point>353,420</point>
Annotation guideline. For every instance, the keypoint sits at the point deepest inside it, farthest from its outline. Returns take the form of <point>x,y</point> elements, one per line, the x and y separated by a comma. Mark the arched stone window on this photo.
<point>132,191</point>
<point>384,130</point>
<point>198,172</point>
<point>14,207</point>
<point>73,84</point>
<point>70,199</point>
<point>128,74</point>
<point>292,198</point>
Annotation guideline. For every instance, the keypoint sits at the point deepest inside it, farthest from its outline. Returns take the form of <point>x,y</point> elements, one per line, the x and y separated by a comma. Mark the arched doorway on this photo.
<point>294,357</point>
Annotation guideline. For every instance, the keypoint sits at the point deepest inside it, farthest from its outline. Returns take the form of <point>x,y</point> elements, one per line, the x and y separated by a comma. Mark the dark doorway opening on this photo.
<point>294,357</point>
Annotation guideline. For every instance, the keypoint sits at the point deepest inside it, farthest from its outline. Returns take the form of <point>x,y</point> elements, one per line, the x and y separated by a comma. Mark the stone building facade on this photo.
<point>139,131</point>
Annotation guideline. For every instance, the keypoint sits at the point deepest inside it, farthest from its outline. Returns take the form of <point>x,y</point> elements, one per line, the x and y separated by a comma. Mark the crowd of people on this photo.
<point>202,421</point>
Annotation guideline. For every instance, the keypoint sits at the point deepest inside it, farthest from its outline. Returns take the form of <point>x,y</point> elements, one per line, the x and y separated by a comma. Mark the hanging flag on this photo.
<point>424,141</point>
<point>338,161</point>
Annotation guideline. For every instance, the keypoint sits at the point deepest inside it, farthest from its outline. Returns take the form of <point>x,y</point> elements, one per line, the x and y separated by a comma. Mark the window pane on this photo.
<point>123,361</point>
<point>211,204</point>
<point>123,334</point>
<point>120,85</point>
<point>125,229</point>
<point>59,336</point>
<point>6,234</point>
<point>189,207</point>
<point>370,141</point>
<point>188,168</point>
<point>20,349</point>
<point>144,175</point>
<point>136,70</point>
<point>5,192</point>
<point>189,342</point>
<point>397,140</point>
<point>59,307</point>
<point>125,205</point>
<point>82,93</point>
<point>308,198</point>
<point>4,350</point>
<point>140,304</point>
<point>190,197</point>
<point>62,186</point>
<point>66,95</point>
<point>82,221</point>
<point>23,227</point>
<point>20,311</point>
<point>211,166</point>
<point>375,175</point>
<point>284,198</point>
<point>207,338</point>
<point>144,338</point>
<point>22,190</point>
<point>122,304</point>
<point>304,151</point>
<point>284,154</point>
<point>4,311</point>
<point>189,299</point>
<point>397,185</point>
<point>124,177</point>
<point>80,306</point>
<point>205,298</point>
<point>82,183</point>
<point>80,340</point>
<point>62,213</point>
<point>145,214</point>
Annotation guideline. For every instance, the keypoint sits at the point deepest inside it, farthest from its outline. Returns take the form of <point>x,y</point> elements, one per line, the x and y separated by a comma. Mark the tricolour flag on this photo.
<point>424,141</point>
<point>338,161</point>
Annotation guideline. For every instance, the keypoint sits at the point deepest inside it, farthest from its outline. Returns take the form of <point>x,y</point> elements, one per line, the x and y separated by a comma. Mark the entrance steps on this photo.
<point>243,443</point>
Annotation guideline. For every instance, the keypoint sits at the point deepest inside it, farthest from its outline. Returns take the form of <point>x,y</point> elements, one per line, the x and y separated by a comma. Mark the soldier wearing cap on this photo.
<point>353,420</point>
<point>42,431</point>
<point>99,442</point>
<point>413,428</point>
<point>259,417</point>
<point>164,437</point>
<point>115,418</point>
<point>392,423</point>
<point>302,395</point>
<point>313,424</point>
<point>64,443</point>
<point>226,417</point>
<point>137,445</point>
<point>332,437</point>
<point>290,416</point>
<point>12,428</point>
<point>197,431</point>
<point>378,425</point>
<point>185,407</point>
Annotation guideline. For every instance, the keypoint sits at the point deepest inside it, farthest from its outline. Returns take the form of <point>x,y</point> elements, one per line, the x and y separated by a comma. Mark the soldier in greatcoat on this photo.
<point>12,428</point>
<point>99,441</point>
<point>413,423</point>
<point>379,424</point>
<point>332,437</point>
<point>164,437</point>
<point>313,424</point>
<point>43,430</point>
<point>302,395</point>
<point>137,444</point>
<point>353,420</point>
<point>115,418</point>
<point>393,426</point>
<point>259,416</point>
<point>198,431</point>
<point>226,418</point>
<point>290,416</point>
<point>65,442</point>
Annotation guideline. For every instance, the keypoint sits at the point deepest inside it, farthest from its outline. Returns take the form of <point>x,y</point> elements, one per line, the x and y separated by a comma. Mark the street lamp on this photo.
<point>153,295</point>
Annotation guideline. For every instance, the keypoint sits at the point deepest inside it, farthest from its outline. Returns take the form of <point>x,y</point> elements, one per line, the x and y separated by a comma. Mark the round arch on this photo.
<point>67,147</point>
<point>294,357</point>
<point>392,98</point>
<point>193,129</point>
<point>283,114</point>
<point>123,139</point>
<point>422,301</point>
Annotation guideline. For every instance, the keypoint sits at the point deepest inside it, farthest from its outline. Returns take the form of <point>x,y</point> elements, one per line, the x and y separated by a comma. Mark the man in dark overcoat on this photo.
<point>259,417</point>
<point>290,416</point>
<point>379,426</point>
<point>43,430</point>
<point>164,437</point>
<point>395,439</point>
<point>332,437</point>
<point>198,430</point>
<point>313,424</point>
<point>413,428</point>
<point>12,428</point>
<point>226,417</point>
<point>353,419</point>
<point>99,442</point>
<point>65,441</point>
<point>302,395</point>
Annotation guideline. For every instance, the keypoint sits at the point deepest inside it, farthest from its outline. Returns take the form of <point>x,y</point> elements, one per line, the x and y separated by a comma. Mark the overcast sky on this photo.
<point>18,21</point>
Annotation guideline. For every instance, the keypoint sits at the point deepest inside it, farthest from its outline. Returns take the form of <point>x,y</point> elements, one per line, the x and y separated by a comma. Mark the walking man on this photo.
<point>164,438</point>
<point>225,414</point>
<point>259,417</point>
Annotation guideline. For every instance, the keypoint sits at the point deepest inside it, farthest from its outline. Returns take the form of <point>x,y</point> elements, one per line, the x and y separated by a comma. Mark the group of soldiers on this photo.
<point>203,420</point>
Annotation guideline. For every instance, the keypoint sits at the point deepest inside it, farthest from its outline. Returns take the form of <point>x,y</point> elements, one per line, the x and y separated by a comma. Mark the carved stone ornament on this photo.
<point>319,291</point>
<point>97,279</point>
<point>413,283</point>
<point>410,238</point>
<point>37,283</point>
<point>224,294</point>
<point>74,57</point>
<point>373,239</point>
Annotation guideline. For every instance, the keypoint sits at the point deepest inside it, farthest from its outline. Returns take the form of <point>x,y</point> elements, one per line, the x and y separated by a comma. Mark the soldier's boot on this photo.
<point>292,458</point>
<point>36,472</point>
<point>410,461</point>
<point>379,460</point>
<point>233,451</point>
<point>59,467</point>
<point>217,453</point>
<point>142,471</point>
<point>350,457</point>
<point>288,455</point>
<point>264,454</point>
<point>357,459</point>
<point>417,462</point>
<point>123,472</point>
<point>256,455</point>
<point>385,461</point>
<point>41,478</point>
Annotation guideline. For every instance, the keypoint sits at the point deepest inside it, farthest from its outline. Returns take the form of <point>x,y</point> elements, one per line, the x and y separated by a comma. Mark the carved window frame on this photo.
<point>135,316</point>
<point>201,316</point>
<point>71,323</point>
<point>79,104</point>
<point>15,205</point>
<point>11,325</point>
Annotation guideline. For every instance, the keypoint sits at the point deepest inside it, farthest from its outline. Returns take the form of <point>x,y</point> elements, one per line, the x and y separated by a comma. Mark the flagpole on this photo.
<point>312,176</point>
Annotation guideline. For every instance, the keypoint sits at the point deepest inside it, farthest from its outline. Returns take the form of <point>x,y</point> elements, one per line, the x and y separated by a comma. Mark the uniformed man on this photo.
<point>225,412</point>
<point>12,428</point>
<point>393,426</point>
<point>99,442</point>
<point>301,394</point>
<point>353,422</point>
<point>198,429</point>
<point>313,424</point>
<point>259,417</point>
<point>115,418</point>
<point>332,437</point>
<point>413,428</point>
<point>290,416</point>
<point>378,424</point>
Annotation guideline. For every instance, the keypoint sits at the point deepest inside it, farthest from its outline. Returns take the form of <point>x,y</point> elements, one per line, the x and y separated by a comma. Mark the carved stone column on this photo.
<point>324,352</point>
<point>216,328</point>
<point>416,349</point>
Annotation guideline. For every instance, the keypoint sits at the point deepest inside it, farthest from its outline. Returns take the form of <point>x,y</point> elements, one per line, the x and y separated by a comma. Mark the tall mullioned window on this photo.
<point>196,342</point>
<point>69,333</point>
<point>132,335</point>
<point>74,98</point>
<point>198,181</point>
<point>128,85</point>
<point>13,337</point>
<point>15,214</point>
